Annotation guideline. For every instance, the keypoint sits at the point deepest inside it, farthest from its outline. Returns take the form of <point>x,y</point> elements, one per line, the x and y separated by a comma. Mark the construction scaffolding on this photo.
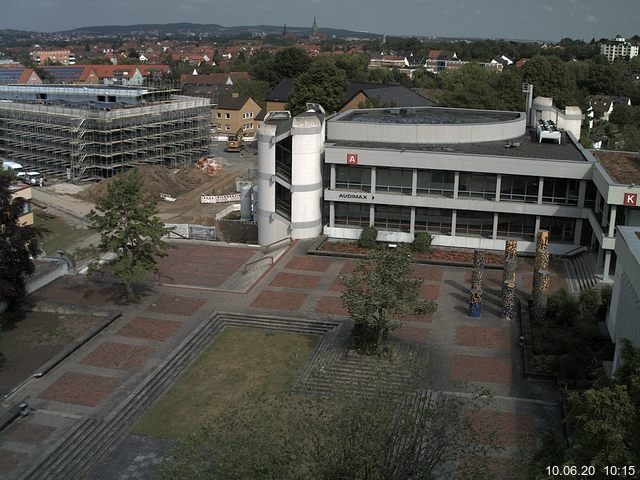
<point>83,142</point>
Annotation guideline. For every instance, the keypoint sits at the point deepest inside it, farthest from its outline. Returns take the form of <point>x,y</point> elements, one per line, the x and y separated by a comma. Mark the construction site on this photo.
<point>80,133</point>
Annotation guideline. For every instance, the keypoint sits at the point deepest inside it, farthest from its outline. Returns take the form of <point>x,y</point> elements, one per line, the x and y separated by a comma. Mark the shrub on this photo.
<point>368,237</point>
<point>421,242</point>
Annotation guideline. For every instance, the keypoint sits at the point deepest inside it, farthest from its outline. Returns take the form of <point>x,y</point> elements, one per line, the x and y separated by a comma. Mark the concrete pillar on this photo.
<point>373,179</point>
<point>607,265</point>
<point>605,215</point>
<point>494,234</point>
<point>332,180</point>
<point>498,186</point>
<point>540,189</point>
<point>332,214</point>
<point>456,184</point>
<point>537,225</point>
<point>412,227</point>
<point>454,215</point>
<point>612,220</point>
<point>372,215</point>
<point>577,234</point>
<point>582,190</point>
<point>414,182</point>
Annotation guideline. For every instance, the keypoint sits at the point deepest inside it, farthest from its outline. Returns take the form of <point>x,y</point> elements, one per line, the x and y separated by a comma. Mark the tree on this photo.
<point>348,435</point>
<point>256,89</point>
<point>291,62</point>
<point>550,78</point>
<point>129,228</point>
<point>380,292</point>
<point>18,245</point>
<point>323,83</point>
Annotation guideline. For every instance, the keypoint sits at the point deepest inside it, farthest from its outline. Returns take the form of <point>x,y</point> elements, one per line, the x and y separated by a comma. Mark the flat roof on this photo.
<point>426,116</point>
<point>522,147</point>
<point>622,167</point>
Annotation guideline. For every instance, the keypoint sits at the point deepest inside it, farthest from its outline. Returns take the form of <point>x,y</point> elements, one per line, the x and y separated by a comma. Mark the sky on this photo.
<point>510,19</point>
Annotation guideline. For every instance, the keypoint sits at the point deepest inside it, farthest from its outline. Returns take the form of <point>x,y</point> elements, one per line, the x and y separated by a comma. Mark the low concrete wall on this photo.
<point>48,269</point>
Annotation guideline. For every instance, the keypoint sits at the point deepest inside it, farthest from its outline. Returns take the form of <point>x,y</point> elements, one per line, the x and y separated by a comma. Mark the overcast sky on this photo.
<point>518,19</point>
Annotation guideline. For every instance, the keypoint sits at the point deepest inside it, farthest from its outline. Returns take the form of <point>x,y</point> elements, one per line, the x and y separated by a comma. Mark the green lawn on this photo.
<point>240,362</point>
<point>60,234</point>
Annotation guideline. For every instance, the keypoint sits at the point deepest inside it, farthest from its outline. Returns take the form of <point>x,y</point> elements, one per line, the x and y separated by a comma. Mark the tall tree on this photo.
<point>129,228</point>
<point>550,78</point>
<point>381,292</point>
<point>291,62</point>
<point>18,244</point>
<point>323,83</point>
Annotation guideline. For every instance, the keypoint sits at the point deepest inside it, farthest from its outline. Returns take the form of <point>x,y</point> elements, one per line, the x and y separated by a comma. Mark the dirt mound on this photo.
<point>156,179</point>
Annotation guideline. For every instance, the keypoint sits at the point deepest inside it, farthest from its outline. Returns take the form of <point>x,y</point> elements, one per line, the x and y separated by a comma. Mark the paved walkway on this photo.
<point>97,377</point>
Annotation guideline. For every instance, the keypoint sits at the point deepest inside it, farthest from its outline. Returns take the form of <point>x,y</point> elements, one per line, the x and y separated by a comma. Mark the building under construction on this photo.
<point>82,133</point>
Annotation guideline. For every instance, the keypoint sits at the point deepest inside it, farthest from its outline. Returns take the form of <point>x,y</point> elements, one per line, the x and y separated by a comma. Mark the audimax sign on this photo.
<point>356,196</point>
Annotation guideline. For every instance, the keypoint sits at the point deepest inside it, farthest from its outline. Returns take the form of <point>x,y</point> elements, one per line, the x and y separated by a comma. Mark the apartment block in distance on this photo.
<point>64,57</point>
<point>618,48</point>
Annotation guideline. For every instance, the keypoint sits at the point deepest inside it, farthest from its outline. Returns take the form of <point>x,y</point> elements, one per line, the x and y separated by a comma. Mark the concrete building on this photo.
<point>618,48</point>
<point>86,132</point>
<point>623,320</point>
<point>471,178</point>
<point>64,57</point>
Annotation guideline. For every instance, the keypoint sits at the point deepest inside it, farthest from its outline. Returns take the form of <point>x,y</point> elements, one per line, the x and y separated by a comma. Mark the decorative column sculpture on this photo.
<point>508,300</point>
<point>542,251</point>
<point>540,294</point>
<point>510,265</point>
<point>475,299</point>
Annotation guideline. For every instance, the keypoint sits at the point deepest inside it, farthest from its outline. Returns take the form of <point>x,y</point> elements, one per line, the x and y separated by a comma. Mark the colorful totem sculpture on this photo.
<point>541,294</point>
<point>542,251</point>
<point>508,300</point>
<point>510,265</point>
<point>475,299</point>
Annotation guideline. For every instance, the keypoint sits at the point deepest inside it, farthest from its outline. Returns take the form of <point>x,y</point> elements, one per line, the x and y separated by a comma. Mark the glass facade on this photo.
<point>561,229</point>
<point>353,178</point>
<point>474,224</point>
<point>519,188</point>
<point>394,180</point>
<point>479,185</point>
<point>433,220</point>
<point>283,201</point>
<point>393,218</point>
<point>352,214</point>
<point>512,225</point>
<point>560,191</point>
<point>435,182</point>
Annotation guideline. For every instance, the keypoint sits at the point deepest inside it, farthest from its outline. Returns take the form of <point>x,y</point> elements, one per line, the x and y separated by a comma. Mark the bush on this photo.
<point>421,242</point>
<point>368,237</point>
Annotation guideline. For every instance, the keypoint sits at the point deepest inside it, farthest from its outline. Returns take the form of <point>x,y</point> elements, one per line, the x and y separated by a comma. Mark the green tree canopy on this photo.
<point>323,83</point>
<point>550,78</point>
<point>129,228</point>
<point>18,244</point>
<point>381,292</point>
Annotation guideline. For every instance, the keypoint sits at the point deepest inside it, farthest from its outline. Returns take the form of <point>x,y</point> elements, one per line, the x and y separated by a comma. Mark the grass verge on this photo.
<point>60,234</point>
<point>240,362</point>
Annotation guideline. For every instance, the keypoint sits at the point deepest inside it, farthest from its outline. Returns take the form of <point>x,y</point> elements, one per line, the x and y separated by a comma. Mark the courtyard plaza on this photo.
<point>198,279</point>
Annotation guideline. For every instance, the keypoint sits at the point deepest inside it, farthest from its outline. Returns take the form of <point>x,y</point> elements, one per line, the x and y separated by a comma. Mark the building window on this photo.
<point>390,217</point>
<point>353,178</point>
<point>511,225</point>
<point>560,191</point>
<point>561,229</point>
<point>227,116</point>
<point>283,201</point>
<point>219,115</point>
<point>433,220</point>
<point>474,224</point>
<point>519,188</point>
<point>394,180</point>
<point>227,128</point>
<point>435,182</point>
<point>352,214</point>
<point>480,185</point>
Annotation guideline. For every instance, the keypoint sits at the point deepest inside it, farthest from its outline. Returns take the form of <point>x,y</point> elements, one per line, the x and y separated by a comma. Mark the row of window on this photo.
<point>468,223</point>
<point>227,128</point>
<point>516,188</point>
<point>228,115</point>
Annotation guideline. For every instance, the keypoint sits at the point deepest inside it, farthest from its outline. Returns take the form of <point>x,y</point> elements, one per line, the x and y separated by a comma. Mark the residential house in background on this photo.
<point>235,112</point>
<point>368,95</point>
<point>127,75</point>
<point>279,96</point>
<point>17,74</point>
<point>603,105</point>
<point>211,86</point>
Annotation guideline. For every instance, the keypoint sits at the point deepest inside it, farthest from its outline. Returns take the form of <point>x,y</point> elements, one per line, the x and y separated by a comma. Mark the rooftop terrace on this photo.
<point>427,116</point>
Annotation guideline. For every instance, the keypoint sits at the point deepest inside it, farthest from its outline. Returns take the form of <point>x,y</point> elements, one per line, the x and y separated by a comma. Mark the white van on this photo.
<point>15,167</point>
<point>33,178</point>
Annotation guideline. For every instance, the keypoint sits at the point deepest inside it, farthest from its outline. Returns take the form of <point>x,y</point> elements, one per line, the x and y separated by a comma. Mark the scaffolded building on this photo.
<point>82,133</point>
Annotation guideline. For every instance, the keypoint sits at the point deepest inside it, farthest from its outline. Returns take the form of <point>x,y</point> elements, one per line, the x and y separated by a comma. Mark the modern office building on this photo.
<point>83,132</point>
<point>471,178</point>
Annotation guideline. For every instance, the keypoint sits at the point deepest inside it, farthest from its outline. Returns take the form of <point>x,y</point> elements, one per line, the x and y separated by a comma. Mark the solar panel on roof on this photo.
<point>10,75</point>
<point>64,73</point>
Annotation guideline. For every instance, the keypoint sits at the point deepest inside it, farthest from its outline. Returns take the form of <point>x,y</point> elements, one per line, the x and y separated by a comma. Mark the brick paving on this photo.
<point>430,292</point>
<point>9,459</point>
<point>410,335</point>
<point>149,328</point>
<point>312,264</point>
<point>481,369</point>
<point>485,337</point>
<point>28,432</point>
<point>331,306</point>
<point>80,389</point>
<point>276,300</point>
<point>176,305</point>
<point>118,356</point>
<point>511,429</point>
<point>295,280</point>
<point>429,272</point>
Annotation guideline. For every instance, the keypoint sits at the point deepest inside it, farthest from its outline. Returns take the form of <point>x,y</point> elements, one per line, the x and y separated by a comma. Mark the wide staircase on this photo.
<point>581,270</point>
